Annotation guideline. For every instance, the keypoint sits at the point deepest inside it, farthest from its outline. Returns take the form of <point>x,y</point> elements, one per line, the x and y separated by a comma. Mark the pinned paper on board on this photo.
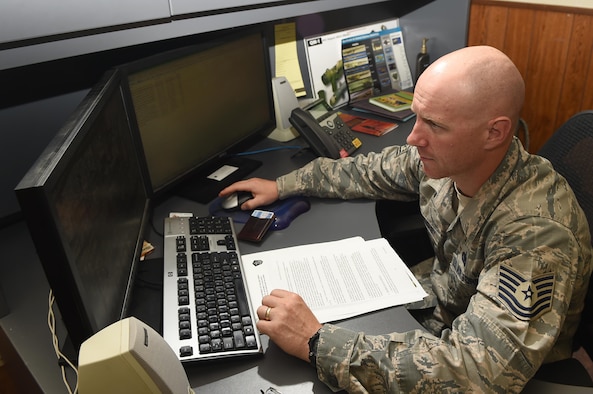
<point>324,59</point>
<point>286,59</point>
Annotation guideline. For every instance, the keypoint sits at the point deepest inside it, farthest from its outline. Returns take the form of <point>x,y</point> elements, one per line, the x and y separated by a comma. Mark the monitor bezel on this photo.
<point>205,43</point>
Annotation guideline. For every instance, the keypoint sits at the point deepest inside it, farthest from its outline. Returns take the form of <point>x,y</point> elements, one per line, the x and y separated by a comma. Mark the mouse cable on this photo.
<point>51,322</point>
<point>253,152</point>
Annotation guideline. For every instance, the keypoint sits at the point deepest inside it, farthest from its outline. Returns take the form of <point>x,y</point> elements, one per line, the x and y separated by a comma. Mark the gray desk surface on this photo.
<point>26,290</point>
<point>327,220</point>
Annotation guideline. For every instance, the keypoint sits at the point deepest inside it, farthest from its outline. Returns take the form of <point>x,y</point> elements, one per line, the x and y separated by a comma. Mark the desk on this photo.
<point>26,289</point>
<point>327,220</point>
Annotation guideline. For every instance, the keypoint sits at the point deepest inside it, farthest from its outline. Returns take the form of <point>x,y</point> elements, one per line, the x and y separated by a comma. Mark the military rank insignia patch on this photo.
<point>525,298</point>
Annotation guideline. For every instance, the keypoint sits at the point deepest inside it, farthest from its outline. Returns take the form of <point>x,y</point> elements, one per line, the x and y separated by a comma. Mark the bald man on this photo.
<point>512,246</point>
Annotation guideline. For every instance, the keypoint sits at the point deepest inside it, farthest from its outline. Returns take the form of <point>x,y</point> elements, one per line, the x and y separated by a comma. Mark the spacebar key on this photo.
<point>242,298</point>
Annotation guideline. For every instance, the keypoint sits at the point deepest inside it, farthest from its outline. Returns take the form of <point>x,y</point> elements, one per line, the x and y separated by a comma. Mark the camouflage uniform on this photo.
<point>508,280</point>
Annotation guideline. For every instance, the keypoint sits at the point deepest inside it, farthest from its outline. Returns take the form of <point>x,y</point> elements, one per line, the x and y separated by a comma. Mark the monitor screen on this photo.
<point>86,206</point>
<point>195,104</point>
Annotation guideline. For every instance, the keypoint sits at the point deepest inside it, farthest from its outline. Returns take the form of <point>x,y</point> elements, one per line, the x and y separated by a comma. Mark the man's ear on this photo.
<point>498,131</point>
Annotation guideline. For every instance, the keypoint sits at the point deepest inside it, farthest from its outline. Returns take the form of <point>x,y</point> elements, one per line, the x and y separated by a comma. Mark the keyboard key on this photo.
<point>251,341</point>
<point>184,324</point>
<point>228,343</point>
<point>216,344</point>
<point>239,339</point>
<point>186,351</point>
<point>184,334</point>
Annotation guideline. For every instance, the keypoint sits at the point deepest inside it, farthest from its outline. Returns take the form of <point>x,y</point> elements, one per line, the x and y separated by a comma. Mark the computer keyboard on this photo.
<point>206,309</point>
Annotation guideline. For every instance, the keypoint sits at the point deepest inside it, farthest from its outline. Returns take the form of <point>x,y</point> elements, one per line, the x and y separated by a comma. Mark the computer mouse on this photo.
<point>234,200</point>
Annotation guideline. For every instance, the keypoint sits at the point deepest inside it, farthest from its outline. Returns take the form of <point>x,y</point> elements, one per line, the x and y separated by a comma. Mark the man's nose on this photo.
<point>415,137</point>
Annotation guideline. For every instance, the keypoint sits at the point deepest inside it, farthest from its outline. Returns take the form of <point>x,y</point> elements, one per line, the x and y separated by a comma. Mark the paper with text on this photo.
<point>286,59</point>
<point>337,279</point>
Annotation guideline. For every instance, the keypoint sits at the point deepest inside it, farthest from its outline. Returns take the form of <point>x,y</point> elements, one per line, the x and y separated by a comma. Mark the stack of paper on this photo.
<point>338,279</point>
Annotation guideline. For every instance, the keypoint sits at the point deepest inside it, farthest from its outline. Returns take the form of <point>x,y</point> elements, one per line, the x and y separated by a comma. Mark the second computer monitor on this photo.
<point>196,104</point>
<point>86,204</point>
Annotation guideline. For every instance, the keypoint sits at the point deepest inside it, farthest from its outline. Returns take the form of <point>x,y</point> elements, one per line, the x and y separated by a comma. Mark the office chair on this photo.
<point>569,150</point>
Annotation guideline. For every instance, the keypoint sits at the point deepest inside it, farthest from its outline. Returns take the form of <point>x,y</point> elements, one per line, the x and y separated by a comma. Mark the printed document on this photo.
<point>337,279</point>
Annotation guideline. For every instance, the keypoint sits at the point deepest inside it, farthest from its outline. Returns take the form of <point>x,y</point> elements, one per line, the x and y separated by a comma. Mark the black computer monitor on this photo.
<point>86,205</point>
<point>196,105</point>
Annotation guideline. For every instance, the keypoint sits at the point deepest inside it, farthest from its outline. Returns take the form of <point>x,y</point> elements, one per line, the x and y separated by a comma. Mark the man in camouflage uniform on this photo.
<point>513,254</point>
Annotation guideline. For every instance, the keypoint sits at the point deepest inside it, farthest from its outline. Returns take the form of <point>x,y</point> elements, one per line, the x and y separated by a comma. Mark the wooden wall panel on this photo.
<point>547,62</point>
<point>588,95</point>
<point>552,48</point>
<point>518,37</point>
<point>577,68</point>
<point>487,25</point>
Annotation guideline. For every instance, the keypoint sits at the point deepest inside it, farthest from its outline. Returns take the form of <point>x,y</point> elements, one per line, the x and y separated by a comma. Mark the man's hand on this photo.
<point>288,321</point>
<point>264,192</point>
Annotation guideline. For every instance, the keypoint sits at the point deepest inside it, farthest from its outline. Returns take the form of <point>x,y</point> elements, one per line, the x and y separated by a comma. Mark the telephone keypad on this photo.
<point>334,126</point>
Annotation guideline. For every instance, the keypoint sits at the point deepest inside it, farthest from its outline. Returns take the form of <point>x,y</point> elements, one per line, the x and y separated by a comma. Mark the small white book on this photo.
<point>337,279</point>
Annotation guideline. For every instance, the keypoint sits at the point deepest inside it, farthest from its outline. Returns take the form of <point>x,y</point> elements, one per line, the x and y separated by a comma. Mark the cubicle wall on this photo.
<point>41,96</point>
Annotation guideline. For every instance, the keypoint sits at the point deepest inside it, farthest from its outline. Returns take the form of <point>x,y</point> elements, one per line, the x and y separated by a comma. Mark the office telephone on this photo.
<point>326,135</point>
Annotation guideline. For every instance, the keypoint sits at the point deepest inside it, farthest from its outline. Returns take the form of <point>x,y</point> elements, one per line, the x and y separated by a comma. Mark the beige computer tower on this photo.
<point>129,357</point>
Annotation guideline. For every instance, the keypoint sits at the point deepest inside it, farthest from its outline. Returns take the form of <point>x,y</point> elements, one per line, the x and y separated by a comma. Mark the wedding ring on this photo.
<point>267,314</point>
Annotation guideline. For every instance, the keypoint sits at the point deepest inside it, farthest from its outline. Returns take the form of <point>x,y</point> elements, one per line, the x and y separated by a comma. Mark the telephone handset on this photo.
<point>327,136</point>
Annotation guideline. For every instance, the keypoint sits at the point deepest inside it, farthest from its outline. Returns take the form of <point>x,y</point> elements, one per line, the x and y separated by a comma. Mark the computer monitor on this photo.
<point>195,106</point>
<point>86,205</point>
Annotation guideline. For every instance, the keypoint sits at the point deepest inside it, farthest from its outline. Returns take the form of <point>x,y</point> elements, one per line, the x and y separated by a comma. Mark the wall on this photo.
<point>552,48</point>
<point>443,22</point>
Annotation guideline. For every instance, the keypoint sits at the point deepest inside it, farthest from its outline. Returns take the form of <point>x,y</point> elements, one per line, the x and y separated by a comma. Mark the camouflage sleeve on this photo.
<point>415,362</point>
<point>490,347</point>
<point>376,175</point>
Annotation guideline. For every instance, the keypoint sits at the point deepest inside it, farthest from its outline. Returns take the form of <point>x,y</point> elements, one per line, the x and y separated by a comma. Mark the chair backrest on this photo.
<point>570,151</point>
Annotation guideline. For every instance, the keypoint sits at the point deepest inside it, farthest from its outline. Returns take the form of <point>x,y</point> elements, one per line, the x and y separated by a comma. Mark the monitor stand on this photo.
<point>206,184</point>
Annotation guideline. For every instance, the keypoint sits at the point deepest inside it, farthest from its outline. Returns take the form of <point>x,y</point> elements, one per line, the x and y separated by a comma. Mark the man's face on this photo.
<point>448,135</point>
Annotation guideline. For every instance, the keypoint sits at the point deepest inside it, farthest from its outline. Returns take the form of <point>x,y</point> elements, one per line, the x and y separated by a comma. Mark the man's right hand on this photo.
<point>264,192</point>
